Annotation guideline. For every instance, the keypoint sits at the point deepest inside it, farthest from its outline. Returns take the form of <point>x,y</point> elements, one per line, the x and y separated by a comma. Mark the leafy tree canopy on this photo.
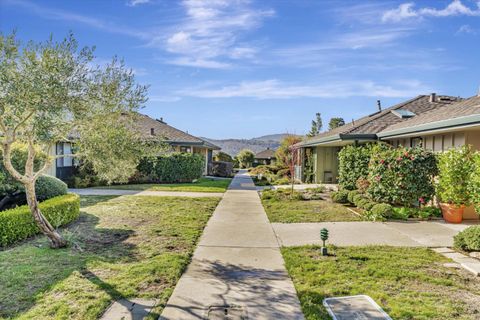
<point>335,123</point>
<point>245,158</point>
<point>317,125</point>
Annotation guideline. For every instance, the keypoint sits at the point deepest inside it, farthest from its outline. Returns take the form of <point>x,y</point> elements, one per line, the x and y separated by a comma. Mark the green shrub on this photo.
<point>221,169</point>
<point>173,168</point>
<point>340,196</point>
<point>48,187</point>
<point>357,198</point>
<point>402,176</point>
<point>368,205</point>
<point>468,239</point>
<point>362,203</point>
<point>282,181</point>
<point>383,210</point>
<point>18,224</point>
<point>455,169</point>
<point>353,163</point>
<point>352,195</point>
<point>281,195</point>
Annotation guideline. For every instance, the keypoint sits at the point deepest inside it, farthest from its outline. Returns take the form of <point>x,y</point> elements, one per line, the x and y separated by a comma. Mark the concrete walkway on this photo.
<point>238,264</point>
<point>404,234</point>
<point>120,192</point>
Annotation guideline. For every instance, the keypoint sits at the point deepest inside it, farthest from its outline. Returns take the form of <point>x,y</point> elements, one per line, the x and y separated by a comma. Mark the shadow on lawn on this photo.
<point>30,268</point>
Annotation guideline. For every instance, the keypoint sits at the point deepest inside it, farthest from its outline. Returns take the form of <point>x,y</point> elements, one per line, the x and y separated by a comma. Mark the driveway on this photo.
<point>409,234</point>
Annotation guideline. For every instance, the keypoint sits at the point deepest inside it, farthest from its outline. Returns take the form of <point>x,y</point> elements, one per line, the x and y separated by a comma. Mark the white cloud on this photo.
<point>275,89</point>
<point>208,37</point>
<point>407,11</point>
<point>466,29</point>
<point>133,3</point>
<point>155,98</point>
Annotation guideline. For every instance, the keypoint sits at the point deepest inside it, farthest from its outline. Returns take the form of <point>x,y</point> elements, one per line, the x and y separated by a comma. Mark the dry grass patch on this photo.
<point>131,247</point>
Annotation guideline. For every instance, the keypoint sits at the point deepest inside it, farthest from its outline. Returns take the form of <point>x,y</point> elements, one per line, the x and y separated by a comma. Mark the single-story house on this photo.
<point>179,140</point>
<point>265,157</point>
<point>323,148</point>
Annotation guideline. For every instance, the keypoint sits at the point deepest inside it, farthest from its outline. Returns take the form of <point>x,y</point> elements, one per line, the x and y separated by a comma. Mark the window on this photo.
<point>61,149</point>
<point>185,149</point>
<point>416,142</point>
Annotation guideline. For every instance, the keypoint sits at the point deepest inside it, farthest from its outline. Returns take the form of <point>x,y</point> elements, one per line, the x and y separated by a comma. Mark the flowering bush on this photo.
<point>353,163</point>
<point>402,176</point>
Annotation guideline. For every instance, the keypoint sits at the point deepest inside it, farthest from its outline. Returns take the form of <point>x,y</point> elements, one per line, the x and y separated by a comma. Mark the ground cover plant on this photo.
<point>132,246</point>
<point>286,207</point>
<point>408,283</point>
<point>200,185</point>
<point>174,167</point>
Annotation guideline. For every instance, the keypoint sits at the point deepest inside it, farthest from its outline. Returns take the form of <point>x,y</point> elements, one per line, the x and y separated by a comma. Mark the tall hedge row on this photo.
<point>18,224</point>
<point>173,168</point>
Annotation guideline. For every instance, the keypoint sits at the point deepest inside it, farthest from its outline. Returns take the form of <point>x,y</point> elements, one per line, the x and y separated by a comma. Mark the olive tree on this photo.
<point>52,92</point>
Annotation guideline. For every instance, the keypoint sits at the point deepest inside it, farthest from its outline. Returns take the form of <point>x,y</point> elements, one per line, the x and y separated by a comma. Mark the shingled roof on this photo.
<point>149,127</point>
<point>466,112</point>
<point>366,128</point>
<point>265,154</point>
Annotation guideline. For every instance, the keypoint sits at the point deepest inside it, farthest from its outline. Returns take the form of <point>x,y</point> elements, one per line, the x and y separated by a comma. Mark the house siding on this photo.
<point>326,168</point>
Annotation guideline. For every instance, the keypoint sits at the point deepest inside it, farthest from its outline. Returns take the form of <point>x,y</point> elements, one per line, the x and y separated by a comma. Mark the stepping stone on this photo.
<point>133,309</point>
<point>360,307</point>
<point>452,265</point>
<point>443,250</point>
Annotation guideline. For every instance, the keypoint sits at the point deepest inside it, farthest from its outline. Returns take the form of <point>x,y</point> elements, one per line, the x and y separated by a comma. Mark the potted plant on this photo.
<point>455,168</point>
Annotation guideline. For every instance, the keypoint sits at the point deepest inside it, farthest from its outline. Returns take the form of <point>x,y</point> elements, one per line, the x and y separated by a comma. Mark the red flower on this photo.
<point>421,200</point>
<point>382,161</point>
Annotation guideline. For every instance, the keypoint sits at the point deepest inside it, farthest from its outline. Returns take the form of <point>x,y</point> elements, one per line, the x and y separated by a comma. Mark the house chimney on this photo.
<point>433,97</point>
<point>379,105</point>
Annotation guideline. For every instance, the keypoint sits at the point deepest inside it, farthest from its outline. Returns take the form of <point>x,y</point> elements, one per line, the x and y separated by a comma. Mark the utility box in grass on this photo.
<point>360,307</point>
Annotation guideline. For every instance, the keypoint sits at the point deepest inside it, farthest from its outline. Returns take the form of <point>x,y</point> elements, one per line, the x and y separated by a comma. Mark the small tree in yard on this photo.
<point>51,92</point>
<point>245,158</point>
<point>293,160</point>
<point>283,152</point>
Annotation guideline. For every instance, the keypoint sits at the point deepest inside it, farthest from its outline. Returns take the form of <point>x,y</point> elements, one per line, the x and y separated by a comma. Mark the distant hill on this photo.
<point>233,146</point>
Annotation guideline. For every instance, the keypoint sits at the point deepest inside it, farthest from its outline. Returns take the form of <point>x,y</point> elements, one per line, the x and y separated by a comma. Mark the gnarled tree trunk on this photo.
<point>56,240</point>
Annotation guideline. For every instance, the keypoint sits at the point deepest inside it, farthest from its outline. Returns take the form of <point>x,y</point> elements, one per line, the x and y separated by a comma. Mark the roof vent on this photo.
<point>379,105</point>
<point>152,131</point>
<point>161,120</point>
<point>433,97</point>
<point>403,114</point>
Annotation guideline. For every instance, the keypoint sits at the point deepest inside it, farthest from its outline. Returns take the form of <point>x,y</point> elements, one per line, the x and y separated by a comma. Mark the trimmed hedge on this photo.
<point>353,164</point>
<point>18,224</point>
<point>468,239</point>
<point>173,168</point>
<point>48,187</point>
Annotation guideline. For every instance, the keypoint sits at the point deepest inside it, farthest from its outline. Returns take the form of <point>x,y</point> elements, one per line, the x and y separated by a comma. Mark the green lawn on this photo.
<point>296,211</point>
<point>409,283</point>
<point>130,247</point>
<point>202,185</point>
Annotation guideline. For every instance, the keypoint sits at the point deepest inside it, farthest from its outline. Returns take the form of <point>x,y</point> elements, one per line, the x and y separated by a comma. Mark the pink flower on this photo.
<point>382,161</point>
<point>378,178</point>
<point>421,200</point>
<point>399,159</point>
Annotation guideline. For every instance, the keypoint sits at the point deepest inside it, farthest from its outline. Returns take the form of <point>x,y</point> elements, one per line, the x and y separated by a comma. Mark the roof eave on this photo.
<point>341,137</point>
<point>459,122</point>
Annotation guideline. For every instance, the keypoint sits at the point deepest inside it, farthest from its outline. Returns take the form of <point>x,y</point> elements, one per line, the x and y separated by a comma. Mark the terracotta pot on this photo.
<point>452,213</point>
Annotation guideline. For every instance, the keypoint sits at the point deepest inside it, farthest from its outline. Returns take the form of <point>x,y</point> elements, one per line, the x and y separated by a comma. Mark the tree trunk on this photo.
<point>56,240</point>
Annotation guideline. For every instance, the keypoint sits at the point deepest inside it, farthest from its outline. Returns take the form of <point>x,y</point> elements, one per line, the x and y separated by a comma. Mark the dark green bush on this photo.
<point>468,239</point>
<point>352,195</point>
<point>221,169</point>
<point>172,168</point>
<point>362,203</point>
<point>340,196</point>
<point>383,210</point>
<point>353,163</point>
<point>18,224</point>
<point>402,176</point>
<point>48,187</point>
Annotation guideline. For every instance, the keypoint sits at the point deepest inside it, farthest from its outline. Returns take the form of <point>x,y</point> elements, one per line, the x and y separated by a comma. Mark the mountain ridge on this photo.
<point>233,146</point>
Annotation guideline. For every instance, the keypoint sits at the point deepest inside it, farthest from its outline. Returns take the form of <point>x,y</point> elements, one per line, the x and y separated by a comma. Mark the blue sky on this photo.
<point>240,68</point>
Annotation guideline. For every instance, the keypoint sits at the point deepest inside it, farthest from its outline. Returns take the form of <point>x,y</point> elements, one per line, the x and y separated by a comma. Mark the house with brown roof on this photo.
<point>265,157</point>
<point>180,141</point>
<point>322,149</point>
